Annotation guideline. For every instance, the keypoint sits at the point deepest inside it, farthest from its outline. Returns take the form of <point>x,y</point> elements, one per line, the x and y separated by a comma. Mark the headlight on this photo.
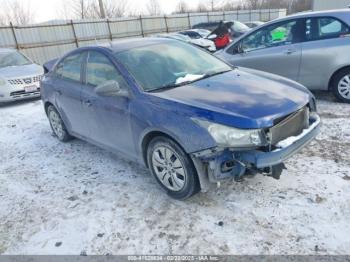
<point>2,82</point>
<point>232,137</point>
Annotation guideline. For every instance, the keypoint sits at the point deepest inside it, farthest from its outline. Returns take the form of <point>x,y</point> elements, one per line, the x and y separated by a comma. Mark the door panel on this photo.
<point>274,48</point>
<point>326,49</point>
<point>108,116</point>
<point>67,91</point>
<point>283,60</point>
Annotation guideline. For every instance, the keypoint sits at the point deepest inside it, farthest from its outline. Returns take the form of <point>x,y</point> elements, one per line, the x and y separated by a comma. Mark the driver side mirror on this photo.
<point>110,88</point>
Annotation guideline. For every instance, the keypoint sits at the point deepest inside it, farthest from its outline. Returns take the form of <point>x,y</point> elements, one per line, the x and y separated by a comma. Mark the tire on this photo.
<point>57,125</point>
<point>172,168</point>
<point>340,85</point>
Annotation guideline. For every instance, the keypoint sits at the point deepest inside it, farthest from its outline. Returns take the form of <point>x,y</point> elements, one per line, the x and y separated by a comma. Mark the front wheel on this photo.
<point>172,168</point>
<point>340,85</point>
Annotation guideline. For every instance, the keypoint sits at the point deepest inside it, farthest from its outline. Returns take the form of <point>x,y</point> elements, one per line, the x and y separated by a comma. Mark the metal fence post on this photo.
<point>269,14</point>
<point>260,15</point>
<point>109,30</point>
<point>14,35</point>
<point>74,34</point>
<point>250,14</point>
<point>141,25</point>
<point>223,15</point>
<point>189,20</point>
<point>237,13</point>
<point>208,16</point>
<point>166,24</point>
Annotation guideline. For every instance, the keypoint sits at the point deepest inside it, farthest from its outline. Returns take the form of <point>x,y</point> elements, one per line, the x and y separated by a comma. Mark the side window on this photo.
<point>70,68</point>
<point>280,34</point>
<point>99,70</point>
<point>325,28</point>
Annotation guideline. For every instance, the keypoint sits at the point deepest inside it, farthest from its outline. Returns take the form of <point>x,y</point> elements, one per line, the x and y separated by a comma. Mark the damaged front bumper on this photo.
<point>217,165</point>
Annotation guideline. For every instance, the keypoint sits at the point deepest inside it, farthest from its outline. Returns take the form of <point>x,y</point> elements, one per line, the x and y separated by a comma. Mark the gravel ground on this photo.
<point>75,198</point>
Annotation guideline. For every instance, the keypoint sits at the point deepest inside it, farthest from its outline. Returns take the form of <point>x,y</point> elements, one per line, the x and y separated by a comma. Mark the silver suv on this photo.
<point>310,48</point>
<point>19,76</point>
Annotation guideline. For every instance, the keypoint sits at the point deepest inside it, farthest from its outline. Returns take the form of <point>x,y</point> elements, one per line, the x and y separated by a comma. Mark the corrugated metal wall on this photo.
<point>48,41</point>
<point>319,5</point>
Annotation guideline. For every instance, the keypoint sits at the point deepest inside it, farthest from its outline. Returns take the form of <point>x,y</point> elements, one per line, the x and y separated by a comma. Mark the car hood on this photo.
<point>202,42</point>
<point>239,98</point>
<point>21,71</point>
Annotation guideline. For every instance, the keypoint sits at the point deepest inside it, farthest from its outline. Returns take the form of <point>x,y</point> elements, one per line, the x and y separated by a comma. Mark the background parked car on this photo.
<point>311,48</point>
<point>253,24</point>
<point>197,41</point>
<point>236,28</point>
<point>19,76</point>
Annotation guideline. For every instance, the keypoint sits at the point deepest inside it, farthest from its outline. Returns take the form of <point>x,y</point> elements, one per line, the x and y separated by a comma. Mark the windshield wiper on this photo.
<point>165,87</point>
<point>215,73</point>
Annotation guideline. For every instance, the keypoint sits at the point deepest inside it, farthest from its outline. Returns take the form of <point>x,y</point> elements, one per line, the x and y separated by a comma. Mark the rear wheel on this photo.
<point>172,168</point>
<point>57,125</point>
<point>340,85</point>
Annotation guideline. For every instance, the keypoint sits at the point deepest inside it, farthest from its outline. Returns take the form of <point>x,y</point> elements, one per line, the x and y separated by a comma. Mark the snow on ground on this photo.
<point>58,198</point>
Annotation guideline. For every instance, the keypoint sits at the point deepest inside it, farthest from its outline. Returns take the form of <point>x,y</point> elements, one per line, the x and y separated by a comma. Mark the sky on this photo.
<point>51,9</point>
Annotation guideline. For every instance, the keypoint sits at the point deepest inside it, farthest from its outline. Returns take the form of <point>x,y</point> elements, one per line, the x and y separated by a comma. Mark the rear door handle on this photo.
<point>290,51</point>
<point>59,92</point>
<point>88,103</point>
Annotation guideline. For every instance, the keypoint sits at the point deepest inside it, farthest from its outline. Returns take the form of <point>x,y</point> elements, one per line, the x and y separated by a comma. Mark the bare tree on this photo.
<point>112,9</point>
<point>76,9</point>
<point>182,7</point>
<point>153,7</point>
<point>91,9</point>
<point>16,12</point>
<point>201,8</point>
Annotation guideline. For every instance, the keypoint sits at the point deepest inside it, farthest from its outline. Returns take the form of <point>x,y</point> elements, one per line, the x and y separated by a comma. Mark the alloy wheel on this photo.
<point>344,87</point>
<point>56,123</point>
<point>169,168</point>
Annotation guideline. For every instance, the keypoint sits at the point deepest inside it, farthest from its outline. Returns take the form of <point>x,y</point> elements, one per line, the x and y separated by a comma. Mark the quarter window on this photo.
<point>281,34</point>
<point>325,28</point>
<point>70,68</point>
<point>99,70</point>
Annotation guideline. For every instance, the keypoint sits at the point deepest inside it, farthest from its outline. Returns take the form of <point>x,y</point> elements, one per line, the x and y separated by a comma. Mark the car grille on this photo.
<point>291,125</point>
<point>23,81</point>
<point>23,93</point>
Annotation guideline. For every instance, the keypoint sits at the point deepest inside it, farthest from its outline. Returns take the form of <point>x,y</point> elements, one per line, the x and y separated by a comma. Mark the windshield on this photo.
<point>240,27</point>
<point>13,59</point>
<point>169,64</point>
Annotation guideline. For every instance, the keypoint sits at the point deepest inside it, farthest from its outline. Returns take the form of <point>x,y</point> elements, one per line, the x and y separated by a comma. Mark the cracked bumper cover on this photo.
<point>251,159</point>
<point>285,149</point>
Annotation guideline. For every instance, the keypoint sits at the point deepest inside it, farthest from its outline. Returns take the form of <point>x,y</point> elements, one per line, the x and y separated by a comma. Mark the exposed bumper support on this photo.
<point>209,163</point>
<point>286,149</point>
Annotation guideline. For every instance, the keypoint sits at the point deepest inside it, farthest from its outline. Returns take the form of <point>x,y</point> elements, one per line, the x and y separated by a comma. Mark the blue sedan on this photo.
<point>189,117</point>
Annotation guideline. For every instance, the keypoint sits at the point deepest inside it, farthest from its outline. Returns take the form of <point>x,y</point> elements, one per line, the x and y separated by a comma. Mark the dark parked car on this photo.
<point>237,28</point>
<point>186,115</point>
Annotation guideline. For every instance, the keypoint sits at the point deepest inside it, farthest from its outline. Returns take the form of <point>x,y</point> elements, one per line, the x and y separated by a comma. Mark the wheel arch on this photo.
<point>46,106</point>
<point>334,74</point>
<point>147,138</point>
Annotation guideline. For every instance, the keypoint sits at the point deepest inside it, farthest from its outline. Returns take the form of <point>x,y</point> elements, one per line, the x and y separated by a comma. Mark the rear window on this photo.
<point>325,28</point>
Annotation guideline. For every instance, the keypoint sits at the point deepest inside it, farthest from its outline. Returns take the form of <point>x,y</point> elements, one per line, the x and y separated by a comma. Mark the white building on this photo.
<point>330,4</point>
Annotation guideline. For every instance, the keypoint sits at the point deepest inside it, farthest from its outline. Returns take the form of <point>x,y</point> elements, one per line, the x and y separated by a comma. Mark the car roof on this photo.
<point>131,43</point>
<point>343,14</point>
<point>7,50</point>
